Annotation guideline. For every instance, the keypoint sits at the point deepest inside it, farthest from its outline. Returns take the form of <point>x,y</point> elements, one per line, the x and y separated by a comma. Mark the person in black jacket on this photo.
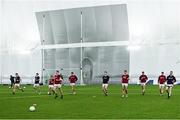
<point>17,83</point>
<point>170,83</point>
<point>12,81</point>
<point>37,83</point>
<point>105,79</point>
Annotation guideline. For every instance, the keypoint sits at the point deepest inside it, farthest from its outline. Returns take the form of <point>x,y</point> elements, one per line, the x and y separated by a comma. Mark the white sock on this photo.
<point>170,91</point>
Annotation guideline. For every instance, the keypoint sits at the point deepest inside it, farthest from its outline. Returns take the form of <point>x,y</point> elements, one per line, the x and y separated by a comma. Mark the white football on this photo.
<point>32,108</point>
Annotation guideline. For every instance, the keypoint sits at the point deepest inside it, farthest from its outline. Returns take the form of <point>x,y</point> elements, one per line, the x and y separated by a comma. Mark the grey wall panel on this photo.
<point>60,37</point>
<point>39,18</point>
<point>74,56</point>
<point>91,53</point>
<point>89,25</point>
<point>103,23</point>
<point>120,27</point>
<point>62,60</point>
<point>49,59</point>
<point>58,27</point>
<point>112,59</point>
<point>73,25</point>
<point>99,24</point>
<point>46,24</point>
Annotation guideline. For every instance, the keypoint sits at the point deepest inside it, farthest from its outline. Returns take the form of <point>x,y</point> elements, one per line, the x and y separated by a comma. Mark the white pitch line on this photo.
<point>20,97</point>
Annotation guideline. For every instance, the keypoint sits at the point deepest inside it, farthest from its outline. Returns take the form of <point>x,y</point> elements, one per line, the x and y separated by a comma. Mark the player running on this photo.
<point>125,80</point>
<point>51,85</point>
<point>58,79</point>
<point>72,79</point>
<point>143,78</point>
<point>161,82</point>
<point>17,83</point>
<point>36,84</point>
<point>170,82</point>
<point>105,83</point>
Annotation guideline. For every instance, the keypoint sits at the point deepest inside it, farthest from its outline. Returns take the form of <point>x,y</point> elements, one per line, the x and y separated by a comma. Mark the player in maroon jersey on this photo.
<point>72,79</point>
<point>51,85</point>
<point>58,79</point>
<point>143,78</point>
<point>161,82</point>
<point>125,80</point>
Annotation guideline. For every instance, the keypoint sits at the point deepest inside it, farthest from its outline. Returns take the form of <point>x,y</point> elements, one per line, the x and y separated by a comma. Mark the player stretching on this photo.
<point>105,83</point>
<point>58,84</point>
<point>36,83</point>
<point>51,85</point>
<point>72,79</point>
<point>17,83</point>
<point>161,82</point>
<point>170,82</point>
<point>143,78</point>
<point>125,80</point>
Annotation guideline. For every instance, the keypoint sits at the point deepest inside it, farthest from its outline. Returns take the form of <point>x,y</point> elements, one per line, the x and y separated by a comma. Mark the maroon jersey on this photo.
<point>73,78</point>
<point>57,79</point>
<point>51,82</point>
<point>125,78</point>
<point>162,79</point>
<point>143,78</point>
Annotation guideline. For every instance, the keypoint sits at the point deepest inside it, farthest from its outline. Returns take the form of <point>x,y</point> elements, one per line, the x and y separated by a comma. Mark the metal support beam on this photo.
<point>86,44</point>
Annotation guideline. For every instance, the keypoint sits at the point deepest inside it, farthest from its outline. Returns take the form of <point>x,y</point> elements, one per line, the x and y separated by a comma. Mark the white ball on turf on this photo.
<point>32,108</point>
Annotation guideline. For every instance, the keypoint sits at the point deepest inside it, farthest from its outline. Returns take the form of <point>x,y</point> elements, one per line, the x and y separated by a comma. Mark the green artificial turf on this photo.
<point>90,103</point>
